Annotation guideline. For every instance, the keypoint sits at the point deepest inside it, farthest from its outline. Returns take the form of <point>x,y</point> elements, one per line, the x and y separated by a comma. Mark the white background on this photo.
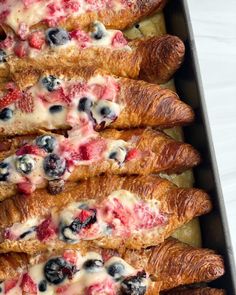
<point>214,26</point>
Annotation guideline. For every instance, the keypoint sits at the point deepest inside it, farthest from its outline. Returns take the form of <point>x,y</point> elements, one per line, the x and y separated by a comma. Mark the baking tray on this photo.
<point>214,226</point>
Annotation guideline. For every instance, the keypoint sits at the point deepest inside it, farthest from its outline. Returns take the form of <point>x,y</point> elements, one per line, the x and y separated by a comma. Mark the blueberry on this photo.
<point>67,234</point>
<point>134,285</point>
<point>116,270</point>
<point>4,167</point>
<point>84,104</point>
<point>6,114</point>
<point>57,36</point>
<point>43,286</point>
<point>55,109</point>
<point>22,236</point>
<point>2,56</point>
<point>113,155</point>
<point>77,224</point>
<point>93,265</point>
<point>54,166</point>
<point>25,164</point>
<point>50,83</point>
<point>99,31</point>
<point>118,155</point>
<point>57,269</point>
<point>105,111</point>
<point>46,142</point>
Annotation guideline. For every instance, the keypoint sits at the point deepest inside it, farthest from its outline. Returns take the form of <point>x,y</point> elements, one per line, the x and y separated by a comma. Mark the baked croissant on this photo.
<point>112,211</point>
<point>147,268</point>
<point>86,95</point>
<point>87,153</point>
<point>153,58</point>
<point>23,18</point>
<point>197,291</point>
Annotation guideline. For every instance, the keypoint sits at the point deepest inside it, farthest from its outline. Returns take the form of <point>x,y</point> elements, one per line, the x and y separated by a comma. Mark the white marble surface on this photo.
<point>214,26</point>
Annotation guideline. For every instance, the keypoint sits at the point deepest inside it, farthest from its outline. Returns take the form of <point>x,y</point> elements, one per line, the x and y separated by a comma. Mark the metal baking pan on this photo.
<point>214,226</point>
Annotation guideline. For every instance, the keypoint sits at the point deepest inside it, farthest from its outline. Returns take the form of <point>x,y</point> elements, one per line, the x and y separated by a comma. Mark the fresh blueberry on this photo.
<point>54,166</point>
<point>57,269</point>
<point>57,36</point>
<point>84,104</point>
<point>116,270</point>
<point>134,285</point>
<point>113,155</point>
<point>93,265</point>
<point>105,111</point>
<point>119,154</point>
<point>99,31</point>
<point>43,286</point>
<point>25,164</point>
<point>6,114</point>
<point>22,236</point>
<point>55,109</point>
<point>50,82</point>
<point>46,142</point>
<point>66,234</point>
<point>77,224</point>
<point>4,171</point>
<point>2,56</point>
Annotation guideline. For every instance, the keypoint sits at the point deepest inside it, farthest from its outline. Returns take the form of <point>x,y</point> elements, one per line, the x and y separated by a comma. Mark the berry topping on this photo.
<point>25,164</point>
<point>9,284</point>
<point>104,287</point>
<point>57,36</point>
<point>54,166</point>
<point>99,31</point>
<point>12,96</point>
<point>70,256</point>
<point>92,150</point>
<point>93,265</point>
<point>26,187</point>
<point>119,40</point>
<point>56,186</point>
<point>2,56</point>
<point>26,103</point>
<point>45,230</point>
<point>6,114</point>
<point>21,49</point>
<point>57,269</point>
<point>55,109</point>
<point>28,149</point>
<point>132,154</point>
<point>46,142</point>
<point>116,270</point>
<point>36,40</point>
<point>4,171</point>
<point>134,285</point>
<point>42,286</point>
<point>51,83</point>
<point>84,104</point>
<point>82,38</point>
<point>27,285</point>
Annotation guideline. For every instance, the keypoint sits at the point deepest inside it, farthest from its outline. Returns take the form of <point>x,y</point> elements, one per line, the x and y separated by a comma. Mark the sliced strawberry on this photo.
<point>10,284</point>
<point>93,150</point>
<point>70,256</point>
<point>71,5</point>
<point>26,187</point>
<point>76,89</point>
<point>46,230</point>
<point>27,285</point>
<point>29,149</point>
<point>132,154</point>
<point>21,49</point>
<point>105,287</point>
<point>107,91</point>
<point>58,95</point>
<point>119,40</point>
<point>26,103</point>
<point>85,214</point>
<point>62,289</point>
<point>36,39</point>
<point>11,97</point>
<point>81,37</point>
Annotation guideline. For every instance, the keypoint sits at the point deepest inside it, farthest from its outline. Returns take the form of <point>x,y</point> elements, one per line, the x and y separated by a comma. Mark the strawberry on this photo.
<point>92,150</point>
<point>82,37</point>
<point>29,149</point>
<point>70,4</point>
<point>21,49</point>
<point>26,187</point>
<point>3,15</point>
<point>62,289</point>
<point>9,284</point>
<point>70,256</point>
<point>119,40</point>
<point>36,40</point>
<point>11,97</point>
<point>107,91</point>
<point>26,103</point>
<point>132,154</point>
<point>45,230</point>
<point>105,287</point>
<point>27,284</point>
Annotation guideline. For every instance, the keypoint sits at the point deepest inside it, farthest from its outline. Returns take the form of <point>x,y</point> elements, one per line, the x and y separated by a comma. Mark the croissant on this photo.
<point>153,58</point>
<point>113,211</point>
<point>92,97</point>
<point>197,291</point>
<point>68,14</point>
<point>147,268</point>
<point>86,154</point>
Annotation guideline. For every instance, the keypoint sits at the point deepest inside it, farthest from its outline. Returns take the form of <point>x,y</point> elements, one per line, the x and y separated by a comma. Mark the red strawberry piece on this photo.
<point>92,150</point>
<point>26,103</point>
<point>46,230</point>
<point>107,91</point>
<point>132,154</point>
<point>26,187</point>
<point>3,15</point>
<point>105,287</point>
<point>21,49</point>
<point>70,4</point>
<point>11,97</point>
<point>29,149</point>
<point>36,40</point>
<point>119,40</point>
<point>85,214</point>
<point>62,289</point>
<point>27,284</point>
<point>82,37</point>
<point>58,95</point>
<point>70,256</point>
<point>9,284</point>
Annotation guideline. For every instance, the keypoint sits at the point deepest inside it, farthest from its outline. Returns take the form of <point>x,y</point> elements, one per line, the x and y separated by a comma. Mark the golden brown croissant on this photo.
<point>154,58</point>
<point>111,211</point>
<point>87,95</point>
<point>196,291</point>
<point>86,153</point>
<point>205,266</point>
